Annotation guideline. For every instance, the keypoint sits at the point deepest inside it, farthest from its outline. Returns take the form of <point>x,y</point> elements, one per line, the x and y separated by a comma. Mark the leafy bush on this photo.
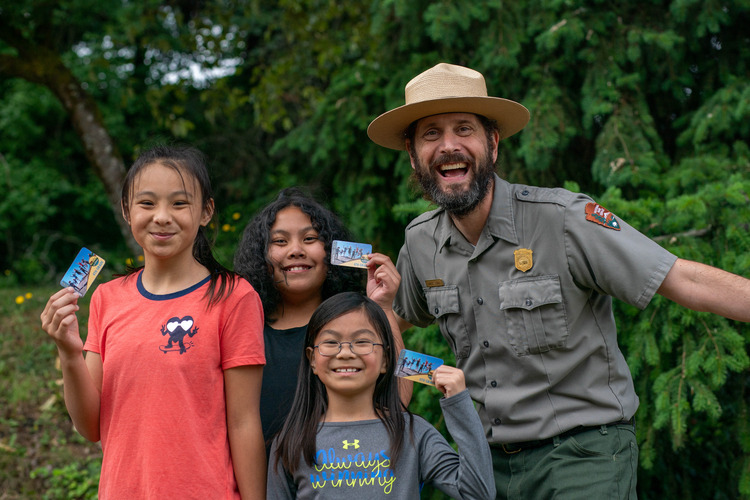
<point>74,481</point>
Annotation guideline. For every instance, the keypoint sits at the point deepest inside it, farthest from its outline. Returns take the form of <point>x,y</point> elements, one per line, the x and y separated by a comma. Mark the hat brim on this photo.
<point>388,129</point>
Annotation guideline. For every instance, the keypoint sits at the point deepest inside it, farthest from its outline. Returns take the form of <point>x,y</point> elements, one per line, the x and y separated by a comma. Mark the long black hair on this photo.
<point>251,258</point>
<point>189,162</point>
<point>298,436</point>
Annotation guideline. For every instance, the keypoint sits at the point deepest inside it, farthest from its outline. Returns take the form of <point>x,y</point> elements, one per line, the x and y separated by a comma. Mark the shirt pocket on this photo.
<point>444,304</point>
<point>535,314</point>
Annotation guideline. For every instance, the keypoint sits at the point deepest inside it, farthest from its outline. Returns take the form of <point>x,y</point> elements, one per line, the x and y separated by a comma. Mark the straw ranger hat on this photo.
<point>446,88</point>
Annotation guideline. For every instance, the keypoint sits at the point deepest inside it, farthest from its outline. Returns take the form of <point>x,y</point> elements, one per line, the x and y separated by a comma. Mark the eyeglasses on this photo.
<point>358,347</point>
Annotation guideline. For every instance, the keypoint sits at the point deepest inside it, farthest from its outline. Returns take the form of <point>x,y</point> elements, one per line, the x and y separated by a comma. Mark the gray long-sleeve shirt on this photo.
<point>353,460</point>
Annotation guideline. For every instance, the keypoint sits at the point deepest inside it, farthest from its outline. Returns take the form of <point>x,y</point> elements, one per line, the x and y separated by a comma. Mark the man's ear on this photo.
<point>408,150</point>
<point>496,141</point>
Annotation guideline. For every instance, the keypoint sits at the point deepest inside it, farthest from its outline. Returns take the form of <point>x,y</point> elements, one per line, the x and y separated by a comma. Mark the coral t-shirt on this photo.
<point>163,413</point>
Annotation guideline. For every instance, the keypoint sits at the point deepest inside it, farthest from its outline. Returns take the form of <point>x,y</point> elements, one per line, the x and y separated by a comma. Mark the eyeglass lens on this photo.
<point>331,348</point>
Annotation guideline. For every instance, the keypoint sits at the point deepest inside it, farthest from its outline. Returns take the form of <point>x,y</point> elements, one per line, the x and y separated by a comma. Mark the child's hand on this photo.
<point>382,280</point>
<point>60,322</point>
<point>449,380</point>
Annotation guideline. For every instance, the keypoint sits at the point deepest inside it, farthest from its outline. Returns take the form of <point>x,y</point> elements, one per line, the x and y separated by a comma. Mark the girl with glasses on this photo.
<point>285,253</point>
<point>348,434</point>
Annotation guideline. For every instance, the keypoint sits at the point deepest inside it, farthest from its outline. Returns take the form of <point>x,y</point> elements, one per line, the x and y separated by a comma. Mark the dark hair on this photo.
<point>251,258</point>
<point>490,127</point>
<point>298,435</point>
<point>185,160</point>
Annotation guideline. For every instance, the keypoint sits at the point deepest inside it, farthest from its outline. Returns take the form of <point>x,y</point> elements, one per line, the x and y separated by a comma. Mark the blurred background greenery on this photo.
<point>644,105</point>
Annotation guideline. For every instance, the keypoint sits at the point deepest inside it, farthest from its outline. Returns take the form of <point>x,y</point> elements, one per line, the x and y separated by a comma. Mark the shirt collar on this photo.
<point>500,223</point>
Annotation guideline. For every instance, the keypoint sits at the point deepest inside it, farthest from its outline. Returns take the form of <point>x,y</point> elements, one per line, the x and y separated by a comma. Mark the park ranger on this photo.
<point>520,280</point>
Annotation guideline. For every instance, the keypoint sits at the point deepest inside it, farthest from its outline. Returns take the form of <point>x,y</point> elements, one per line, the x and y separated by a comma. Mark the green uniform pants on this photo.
<point>593,464</point>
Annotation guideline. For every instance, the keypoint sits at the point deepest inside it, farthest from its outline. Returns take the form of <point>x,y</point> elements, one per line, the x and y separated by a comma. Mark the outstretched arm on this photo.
<point>82,378</point>
<point>707,289</point>
<point>382,283</point>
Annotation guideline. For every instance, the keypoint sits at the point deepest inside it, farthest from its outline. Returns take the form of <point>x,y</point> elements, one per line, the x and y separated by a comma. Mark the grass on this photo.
<point>41,455</point>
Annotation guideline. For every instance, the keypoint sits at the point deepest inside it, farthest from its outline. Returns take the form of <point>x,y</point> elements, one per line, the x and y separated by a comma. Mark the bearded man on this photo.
<point>520,280</point>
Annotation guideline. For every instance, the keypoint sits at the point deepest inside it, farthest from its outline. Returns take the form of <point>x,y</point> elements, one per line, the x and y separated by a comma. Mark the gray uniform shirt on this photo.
<point>353,460</point>
<point>533,330</point>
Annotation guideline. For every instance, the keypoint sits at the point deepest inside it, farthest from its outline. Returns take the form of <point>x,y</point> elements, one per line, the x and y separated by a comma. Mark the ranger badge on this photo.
<point>523,259</point>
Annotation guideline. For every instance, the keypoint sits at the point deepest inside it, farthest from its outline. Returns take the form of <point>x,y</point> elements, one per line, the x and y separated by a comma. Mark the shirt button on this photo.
<point>528,303</point>
<point>480,300</point>
<point>496,421</point>
<point>493,383</point>
<point>525,192</point>
<point>486,344</point>
<point>437,311</point>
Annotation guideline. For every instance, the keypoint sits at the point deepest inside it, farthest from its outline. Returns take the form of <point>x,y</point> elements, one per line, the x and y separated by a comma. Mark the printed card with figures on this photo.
<point>350,254</point>
<point>417,366</point>
<point>84,270</point>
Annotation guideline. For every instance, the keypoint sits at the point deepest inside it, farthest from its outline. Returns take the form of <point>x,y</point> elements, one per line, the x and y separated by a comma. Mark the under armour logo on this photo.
<point>347,444</point>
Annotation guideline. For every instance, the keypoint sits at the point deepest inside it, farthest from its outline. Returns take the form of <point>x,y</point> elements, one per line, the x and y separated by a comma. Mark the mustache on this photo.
<point>450,158</point>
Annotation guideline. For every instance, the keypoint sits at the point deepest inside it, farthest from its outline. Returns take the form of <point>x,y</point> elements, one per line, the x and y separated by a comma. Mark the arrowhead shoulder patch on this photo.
<point>600,215</point>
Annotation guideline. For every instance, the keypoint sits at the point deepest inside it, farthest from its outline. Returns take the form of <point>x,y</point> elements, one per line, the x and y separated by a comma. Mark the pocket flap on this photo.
<point>443,300</point>
<point>529,293</point>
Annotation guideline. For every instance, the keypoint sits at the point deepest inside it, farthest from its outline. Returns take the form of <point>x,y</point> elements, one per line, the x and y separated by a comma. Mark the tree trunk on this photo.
<point>41,65</point>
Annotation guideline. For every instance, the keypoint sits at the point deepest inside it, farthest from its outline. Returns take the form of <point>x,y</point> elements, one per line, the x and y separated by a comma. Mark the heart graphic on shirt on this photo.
<point>184,323</point>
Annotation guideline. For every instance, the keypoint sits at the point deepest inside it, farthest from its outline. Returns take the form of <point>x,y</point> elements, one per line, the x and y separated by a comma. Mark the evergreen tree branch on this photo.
<point>671,238</point>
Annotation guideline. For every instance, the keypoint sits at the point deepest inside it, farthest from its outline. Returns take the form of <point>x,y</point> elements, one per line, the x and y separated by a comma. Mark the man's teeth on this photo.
<point>452,166</point>
<point>346,370</point>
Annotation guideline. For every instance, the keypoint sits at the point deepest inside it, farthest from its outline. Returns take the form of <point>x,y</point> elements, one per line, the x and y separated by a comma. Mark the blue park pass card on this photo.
<point>417,366</point>
<point>350,254</point>
<point>84,270</point>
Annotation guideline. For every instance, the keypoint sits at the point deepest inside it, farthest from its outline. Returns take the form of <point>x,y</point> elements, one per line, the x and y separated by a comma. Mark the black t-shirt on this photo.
<point>284,350</point>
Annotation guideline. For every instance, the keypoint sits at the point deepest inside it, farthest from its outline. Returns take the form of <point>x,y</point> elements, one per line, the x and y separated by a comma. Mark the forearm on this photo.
<point>82,397</point>
<point>249,459</point>
<point>708,289</point>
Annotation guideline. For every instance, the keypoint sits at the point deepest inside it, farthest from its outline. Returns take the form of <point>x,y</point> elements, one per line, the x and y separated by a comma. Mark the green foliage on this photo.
<point>40,453</point>
<point>80,481</point>
<point>643,105</point>
<point>51,205</point>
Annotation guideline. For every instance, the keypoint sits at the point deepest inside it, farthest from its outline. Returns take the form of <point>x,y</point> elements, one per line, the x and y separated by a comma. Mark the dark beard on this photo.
<point>457,204</point>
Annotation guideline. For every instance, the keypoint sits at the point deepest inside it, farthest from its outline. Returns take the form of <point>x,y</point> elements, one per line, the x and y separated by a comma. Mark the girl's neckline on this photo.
<point>285,330</point>
<point>340,422</point>
<point>152,296</point>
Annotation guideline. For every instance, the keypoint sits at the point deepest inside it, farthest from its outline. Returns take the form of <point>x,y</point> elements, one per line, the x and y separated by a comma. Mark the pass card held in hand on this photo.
<point>84,270</point>
<point>350,254</point>
<point>417,366</point>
